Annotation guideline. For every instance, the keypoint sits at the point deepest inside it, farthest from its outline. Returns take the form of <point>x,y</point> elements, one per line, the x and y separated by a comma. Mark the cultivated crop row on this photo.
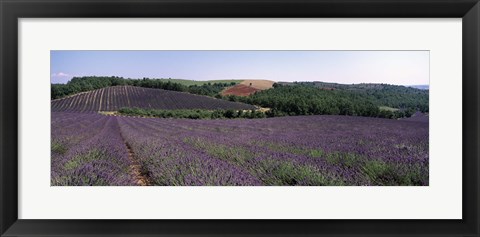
<point>302,150</point>
<point>116,97</point>
<point>87,149</point>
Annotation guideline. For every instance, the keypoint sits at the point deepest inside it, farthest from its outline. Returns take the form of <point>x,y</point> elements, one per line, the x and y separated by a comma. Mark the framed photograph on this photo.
<point>228,118</point>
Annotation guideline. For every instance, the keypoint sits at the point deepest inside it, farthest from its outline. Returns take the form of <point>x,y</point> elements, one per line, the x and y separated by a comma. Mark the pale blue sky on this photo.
<point>347,67</point>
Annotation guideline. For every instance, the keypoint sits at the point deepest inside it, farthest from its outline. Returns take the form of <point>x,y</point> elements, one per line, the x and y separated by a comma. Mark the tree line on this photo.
<point>400,97</point>
<point>307,100</point>
<point>82,84</point>
<point>193,113</point>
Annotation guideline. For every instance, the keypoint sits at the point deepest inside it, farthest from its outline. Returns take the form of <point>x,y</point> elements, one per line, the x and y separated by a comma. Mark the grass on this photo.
<point>78,181</point>
<point>382,173</point>
<point>83,159</point>
<point>346,159</point>
<point>237,155</point>
<point>314,153</point>
<point>280,173</point>
<point>78,177</point>
<point>199,83</point>
<point>58,148</point>
<point>386,108</point>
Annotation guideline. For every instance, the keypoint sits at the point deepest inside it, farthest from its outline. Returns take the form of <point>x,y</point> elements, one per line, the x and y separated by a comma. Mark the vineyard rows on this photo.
<point>116,97</point>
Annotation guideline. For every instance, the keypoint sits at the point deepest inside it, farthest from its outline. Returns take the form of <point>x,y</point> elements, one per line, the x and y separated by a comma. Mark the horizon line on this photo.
<point>237,79</point>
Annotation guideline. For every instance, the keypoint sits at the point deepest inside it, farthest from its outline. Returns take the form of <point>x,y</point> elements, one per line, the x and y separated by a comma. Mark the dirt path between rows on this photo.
<point>135,168</point>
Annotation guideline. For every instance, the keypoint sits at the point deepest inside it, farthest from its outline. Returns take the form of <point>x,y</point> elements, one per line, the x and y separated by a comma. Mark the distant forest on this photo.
<point>82,84</point>
<point>286,99</point>
<point>309,100</point>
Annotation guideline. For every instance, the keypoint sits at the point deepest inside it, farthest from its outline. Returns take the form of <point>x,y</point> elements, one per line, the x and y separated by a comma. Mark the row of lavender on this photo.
<point>87,149</point>
<point>305,150</point>
<point>116,97</point>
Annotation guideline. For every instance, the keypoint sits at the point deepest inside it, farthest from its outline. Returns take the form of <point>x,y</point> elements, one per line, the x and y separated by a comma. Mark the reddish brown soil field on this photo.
<point>258,84</point>
<point>240,90</point>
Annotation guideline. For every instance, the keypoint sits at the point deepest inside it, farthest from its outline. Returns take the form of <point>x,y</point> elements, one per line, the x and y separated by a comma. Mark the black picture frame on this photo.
<point>11,11</point>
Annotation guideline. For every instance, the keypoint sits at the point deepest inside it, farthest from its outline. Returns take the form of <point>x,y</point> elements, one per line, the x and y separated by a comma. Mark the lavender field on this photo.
<point>318,150</point>
<point>115,97</point>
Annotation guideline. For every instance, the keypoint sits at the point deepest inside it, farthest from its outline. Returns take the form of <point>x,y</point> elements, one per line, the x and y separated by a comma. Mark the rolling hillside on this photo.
<point>382,95</point>
<point>116,97</point>
<point>248,87</point>
<point>240,90</point>
<point>187,82</point>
